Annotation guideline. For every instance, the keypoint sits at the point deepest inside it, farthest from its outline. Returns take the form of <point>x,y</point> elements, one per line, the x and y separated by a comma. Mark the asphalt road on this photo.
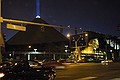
<point>90,71</point>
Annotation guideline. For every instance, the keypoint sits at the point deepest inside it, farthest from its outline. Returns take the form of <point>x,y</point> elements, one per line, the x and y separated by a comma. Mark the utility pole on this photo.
<point>0,36</point>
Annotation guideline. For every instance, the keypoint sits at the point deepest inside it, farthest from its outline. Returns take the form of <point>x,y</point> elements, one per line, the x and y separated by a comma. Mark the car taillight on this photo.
<point>1,75</point>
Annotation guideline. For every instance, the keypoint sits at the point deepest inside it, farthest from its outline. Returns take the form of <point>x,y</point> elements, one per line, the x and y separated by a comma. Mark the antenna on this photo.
<point>37,8</point>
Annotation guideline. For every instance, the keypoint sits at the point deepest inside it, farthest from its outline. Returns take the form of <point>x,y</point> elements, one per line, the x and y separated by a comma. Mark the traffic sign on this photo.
<point>16,27</point>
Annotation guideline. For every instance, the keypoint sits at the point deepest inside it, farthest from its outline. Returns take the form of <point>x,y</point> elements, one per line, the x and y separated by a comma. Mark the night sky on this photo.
<point>91,15</point>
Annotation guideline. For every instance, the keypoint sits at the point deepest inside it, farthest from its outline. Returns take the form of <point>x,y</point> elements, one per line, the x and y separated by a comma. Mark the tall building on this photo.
<point>37,40</point>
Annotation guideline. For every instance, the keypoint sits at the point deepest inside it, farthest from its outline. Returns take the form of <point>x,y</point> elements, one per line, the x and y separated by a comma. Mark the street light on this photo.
<point>68,35</point>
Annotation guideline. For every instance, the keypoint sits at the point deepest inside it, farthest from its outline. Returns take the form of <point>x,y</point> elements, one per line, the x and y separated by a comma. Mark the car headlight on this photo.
<point>1,75</point>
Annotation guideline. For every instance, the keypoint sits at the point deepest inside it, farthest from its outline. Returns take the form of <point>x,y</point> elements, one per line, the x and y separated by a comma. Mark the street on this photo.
<point>90,71</point>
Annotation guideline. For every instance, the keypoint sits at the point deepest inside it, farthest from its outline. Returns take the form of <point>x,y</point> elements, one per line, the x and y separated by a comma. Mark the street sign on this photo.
<point>16,27</point>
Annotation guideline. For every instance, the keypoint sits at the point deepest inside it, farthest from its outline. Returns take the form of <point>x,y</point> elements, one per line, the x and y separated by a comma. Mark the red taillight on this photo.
<point>1,75</point>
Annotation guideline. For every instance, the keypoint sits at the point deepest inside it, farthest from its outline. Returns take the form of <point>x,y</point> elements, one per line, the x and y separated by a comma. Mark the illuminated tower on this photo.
<point>37,8</point>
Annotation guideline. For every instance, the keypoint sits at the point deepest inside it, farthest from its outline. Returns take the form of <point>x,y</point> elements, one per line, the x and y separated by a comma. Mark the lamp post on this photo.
<point>68,36</point>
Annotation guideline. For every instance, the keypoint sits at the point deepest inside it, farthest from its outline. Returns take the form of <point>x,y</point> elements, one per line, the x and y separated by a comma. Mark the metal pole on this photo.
<point>1,36</point>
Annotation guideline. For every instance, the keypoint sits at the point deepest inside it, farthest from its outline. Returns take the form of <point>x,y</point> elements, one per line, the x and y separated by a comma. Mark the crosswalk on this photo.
<point>115,79</point>
<point>91,78</point>
<point>86,78</point>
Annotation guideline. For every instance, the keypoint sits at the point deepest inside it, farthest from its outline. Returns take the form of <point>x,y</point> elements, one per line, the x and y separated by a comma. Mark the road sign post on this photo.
<point>0,36</point>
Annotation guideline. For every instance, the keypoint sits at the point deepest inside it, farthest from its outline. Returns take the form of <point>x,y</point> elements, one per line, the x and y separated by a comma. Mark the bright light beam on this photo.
<point>37,8</point>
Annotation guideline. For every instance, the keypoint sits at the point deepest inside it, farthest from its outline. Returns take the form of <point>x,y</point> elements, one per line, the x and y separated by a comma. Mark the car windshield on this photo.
<point>32,64</point>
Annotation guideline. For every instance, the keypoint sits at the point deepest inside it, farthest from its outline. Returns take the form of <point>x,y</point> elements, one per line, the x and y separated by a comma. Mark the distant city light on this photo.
<point>28,56</point>
<point>10,55</point>
<point>66,46</point>
<point>35,50</point>
<point>110,50</point>
<point>66,51</point>
<point>68,26</point>
<point>37,16</point>
<point>80,28</point>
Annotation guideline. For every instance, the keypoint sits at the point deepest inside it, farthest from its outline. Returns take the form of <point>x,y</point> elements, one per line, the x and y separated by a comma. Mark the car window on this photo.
<point>6,64</point>
<point>34,64</point>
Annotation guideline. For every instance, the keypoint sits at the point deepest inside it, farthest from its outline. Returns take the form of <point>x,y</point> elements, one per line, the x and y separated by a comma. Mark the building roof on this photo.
<point>35,34</point>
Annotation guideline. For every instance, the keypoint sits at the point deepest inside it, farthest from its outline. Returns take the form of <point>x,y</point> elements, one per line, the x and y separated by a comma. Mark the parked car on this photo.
<point>54,64</point>
<point>106,61</point>
<point>26,70</point>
